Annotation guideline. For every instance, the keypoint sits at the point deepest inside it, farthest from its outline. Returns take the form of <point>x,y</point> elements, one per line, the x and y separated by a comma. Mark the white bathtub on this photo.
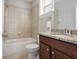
<point>16,45</point>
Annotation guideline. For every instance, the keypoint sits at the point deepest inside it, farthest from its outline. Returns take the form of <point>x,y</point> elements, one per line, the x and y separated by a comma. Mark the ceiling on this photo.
<point>29,0</point>
<point>18,0</point>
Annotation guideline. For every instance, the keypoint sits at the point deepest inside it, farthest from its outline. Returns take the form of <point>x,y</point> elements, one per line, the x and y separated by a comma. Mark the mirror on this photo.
<point>64,14</point>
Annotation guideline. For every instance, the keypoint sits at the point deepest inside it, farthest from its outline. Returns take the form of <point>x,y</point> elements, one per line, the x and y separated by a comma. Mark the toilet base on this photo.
<point>32,55</point>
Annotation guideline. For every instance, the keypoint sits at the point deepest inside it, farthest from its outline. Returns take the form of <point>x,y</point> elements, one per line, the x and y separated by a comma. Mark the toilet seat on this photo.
<point>32,47</point>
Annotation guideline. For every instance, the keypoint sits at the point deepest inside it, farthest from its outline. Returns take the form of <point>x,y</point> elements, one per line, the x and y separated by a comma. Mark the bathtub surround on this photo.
<point>35,18</point>
<point>17,16</point>
<point>21,18</point>
<point>20,22</point>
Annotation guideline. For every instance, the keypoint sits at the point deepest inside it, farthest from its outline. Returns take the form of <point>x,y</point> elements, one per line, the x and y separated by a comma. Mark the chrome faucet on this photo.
<point>67,32</point>
<point>4,35</point>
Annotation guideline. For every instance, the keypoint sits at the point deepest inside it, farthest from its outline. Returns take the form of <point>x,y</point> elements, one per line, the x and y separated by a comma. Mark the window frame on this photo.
<point>43,7</point>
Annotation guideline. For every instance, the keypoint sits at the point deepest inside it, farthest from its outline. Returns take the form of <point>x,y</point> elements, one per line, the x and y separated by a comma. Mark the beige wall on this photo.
<point>17,22</point>
<point>35,18</point>
<point>21,22</point>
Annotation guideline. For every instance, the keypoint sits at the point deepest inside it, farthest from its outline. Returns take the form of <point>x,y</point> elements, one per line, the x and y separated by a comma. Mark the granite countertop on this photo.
<point>66,38</point>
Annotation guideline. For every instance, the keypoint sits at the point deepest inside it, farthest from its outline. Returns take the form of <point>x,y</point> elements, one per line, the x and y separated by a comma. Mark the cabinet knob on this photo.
<point>47,49</point>
<point>52,52</point>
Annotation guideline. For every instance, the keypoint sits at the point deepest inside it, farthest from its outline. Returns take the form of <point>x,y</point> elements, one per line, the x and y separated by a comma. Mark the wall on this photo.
<point>35,18</point>
<point>43,21</point>
<point>17,19</point>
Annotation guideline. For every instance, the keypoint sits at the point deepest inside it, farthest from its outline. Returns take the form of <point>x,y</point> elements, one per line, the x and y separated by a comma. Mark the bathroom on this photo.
<point>29,26</point>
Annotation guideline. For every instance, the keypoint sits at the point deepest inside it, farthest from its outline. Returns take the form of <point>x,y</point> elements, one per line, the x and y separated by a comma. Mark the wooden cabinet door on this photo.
<point>52,54</point>
<point>60,55</point>
<point>44,51</point>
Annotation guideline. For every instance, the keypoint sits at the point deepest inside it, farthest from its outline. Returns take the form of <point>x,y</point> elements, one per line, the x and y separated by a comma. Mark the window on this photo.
<point>45,6</point>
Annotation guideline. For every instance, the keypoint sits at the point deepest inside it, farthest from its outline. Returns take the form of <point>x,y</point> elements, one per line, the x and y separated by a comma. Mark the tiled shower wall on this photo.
<point>17,22</point>
<point>35,18</point>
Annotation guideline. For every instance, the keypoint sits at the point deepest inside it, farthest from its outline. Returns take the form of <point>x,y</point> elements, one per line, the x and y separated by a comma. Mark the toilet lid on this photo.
<point>32,46</point>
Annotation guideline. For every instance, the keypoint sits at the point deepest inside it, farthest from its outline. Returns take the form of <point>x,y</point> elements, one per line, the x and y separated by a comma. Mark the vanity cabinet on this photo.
<point>44,51</point>
<point>60,55</point>
<point>51,48</point>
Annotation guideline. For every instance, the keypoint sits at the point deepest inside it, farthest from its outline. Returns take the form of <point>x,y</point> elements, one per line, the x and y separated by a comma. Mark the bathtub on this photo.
<point>14,46</point>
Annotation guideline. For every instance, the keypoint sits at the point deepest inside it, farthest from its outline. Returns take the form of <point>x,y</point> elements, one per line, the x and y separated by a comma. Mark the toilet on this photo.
<point>32,50</point>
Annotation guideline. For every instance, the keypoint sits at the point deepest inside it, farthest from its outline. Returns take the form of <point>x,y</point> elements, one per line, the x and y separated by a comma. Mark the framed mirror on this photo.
<point>64,14</point>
